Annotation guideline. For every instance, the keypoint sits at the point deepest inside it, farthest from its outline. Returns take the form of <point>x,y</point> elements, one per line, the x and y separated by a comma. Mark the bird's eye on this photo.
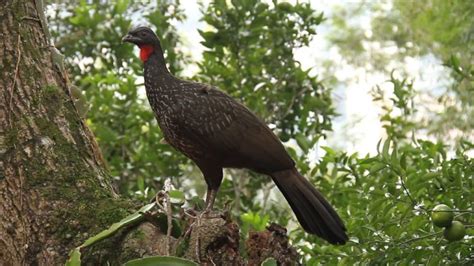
<point>142,34</point>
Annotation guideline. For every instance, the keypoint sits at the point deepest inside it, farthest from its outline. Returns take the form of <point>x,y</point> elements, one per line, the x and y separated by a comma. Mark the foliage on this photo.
<point>253,221</point>
<point>389,198</point>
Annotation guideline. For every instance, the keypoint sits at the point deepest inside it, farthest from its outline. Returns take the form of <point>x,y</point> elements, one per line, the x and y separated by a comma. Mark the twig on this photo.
<point>188,232</point>
<point>402,182</point>
<point>419,238</point>
<point>266,193</point>
<point>198,248</point>
<point>198,234</point>
<point>464,211</point>
<point>168,215</point>
<point>413,201</point>
<point>236,184</point>
<point>166,207</point>
<point>157,200</point>
<point>210,259</point>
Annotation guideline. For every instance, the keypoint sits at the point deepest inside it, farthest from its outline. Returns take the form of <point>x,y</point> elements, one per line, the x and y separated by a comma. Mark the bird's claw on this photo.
<point>206,214</point>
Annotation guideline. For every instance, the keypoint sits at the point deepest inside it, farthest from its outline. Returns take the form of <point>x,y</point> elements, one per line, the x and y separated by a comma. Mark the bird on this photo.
<point>215,131</point>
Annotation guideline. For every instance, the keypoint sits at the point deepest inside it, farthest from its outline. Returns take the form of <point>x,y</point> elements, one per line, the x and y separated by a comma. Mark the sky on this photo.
<point>357,128</point>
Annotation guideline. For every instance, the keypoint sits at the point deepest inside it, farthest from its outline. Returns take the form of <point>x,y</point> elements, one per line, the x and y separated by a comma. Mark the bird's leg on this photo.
<point>210,198</point>
<point>213,176</point>
<point>208,213</point>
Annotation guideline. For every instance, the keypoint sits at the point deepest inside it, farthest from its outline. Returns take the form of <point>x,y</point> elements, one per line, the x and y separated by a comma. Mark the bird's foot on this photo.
<point>203,215</point>
<point>198,217</point>
<point>197,222</point>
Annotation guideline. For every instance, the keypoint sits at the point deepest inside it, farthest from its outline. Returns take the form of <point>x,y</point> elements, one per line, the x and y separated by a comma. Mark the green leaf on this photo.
<point>135,217</point>
<point>368,160</point>
<point>269,262</point>
<point>247,217</point>
<point>74,258</point>
<point>141,183</point>
<point>403,161</point>
<point>329,150</point>
<point>177,195</point>
<point>121,6</point>
<point>455,61</point>
<point>197,202</point>
<point>160,261</point>
<point>386,147</point>
<point>377,167</point>
<point>162,221</point>
<point>75,255</point>
<point>303,142</point>
<point>430,175</point>
<point>255,220</point>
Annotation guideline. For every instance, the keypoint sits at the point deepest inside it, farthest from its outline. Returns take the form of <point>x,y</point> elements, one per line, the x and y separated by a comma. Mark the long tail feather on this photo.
<point>314,213</point>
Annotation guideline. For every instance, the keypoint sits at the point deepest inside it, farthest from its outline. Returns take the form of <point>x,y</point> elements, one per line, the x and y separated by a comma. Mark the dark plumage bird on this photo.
<point>217,132</point>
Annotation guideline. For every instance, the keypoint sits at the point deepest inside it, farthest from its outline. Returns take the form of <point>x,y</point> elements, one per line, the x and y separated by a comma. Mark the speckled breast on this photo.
<point>177,138</point>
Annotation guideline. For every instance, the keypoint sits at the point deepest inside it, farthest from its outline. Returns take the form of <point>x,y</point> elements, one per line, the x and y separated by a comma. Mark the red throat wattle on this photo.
<point>145,52</point>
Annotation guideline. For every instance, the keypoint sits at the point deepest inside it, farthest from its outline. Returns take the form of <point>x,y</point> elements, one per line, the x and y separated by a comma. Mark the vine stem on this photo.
<point>419,238</point>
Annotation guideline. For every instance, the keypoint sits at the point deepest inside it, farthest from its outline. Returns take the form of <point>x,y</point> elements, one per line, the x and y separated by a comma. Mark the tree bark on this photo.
<point>53,182</point>
<point>54,188</point>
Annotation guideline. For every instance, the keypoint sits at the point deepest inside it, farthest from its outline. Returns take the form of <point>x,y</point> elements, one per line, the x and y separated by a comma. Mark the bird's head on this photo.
<point>141,36</point>
<point>145,39</point>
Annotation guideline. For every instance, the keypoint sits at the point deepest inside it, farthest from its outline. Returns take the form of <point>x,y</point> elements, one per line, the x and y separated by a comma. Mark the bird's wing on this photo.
<point>219,123</point>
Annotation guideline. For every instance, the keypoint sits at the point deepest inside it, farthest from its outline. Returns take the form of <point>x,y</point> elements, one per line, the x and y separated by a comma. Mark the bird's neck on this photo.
<point>158,80</point>
<point>153,59</point>
<point>156,74</point>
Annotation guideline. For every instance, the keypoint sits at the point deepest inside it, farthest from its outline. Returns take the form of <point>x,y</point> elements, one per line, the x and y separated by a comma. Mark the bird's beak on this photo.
<point>130,38</point>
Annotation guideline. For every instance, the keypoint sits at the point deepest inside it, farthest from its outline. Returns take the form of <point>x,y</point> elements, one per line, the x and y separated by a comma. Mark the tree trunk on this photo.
<point>54,188</point>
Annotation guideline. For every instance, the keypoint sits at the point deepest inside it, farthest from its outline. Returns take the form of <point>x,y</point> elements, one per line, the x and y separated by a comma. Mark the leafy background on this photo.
<point>385,198</point>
